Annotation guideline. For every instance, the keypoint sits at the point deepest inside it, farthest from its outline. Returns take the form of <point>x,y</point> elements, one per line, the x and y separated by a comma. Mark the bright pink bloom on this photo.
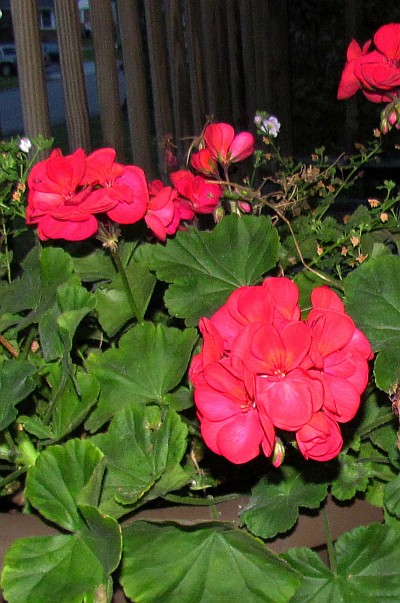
<point>202,196</point>
<point>375,71</point>
<point>340,353</point>
<point>276,302</point>
<point>204,162</point>
<point>161,216</point>
<point>59,199</point>
<point>320,439</point>
<point>230,423</point>
<point>211,351</point>
<point>286,393</point>
<point>125,187</point>
<point>284,373</point>
<point>349,83</point>
<point>224,146</point>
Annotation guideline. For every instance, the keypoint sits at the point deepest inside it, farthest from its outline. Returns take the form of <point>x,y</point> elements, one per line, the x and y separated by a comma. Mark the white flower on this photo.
<point>25,144</point>
<point>270,126</point>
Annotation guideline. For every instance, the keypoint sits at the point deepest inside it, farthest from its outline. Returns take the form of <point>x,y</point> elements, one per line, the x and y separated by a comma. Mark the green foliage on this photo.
<point>97,417</point>
<point>202,564</point>
<point>148,364</point>
<point>379,319</point>
<point>366,570</point>
<point>143,448</point>
<point>275,501</point>
<point>205,267</point>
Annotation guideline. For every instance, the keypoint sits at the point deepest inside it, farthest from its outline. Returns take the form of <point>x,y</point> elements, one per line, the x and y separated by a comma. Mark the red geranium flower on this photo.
<point>349,82</point>
<point>224,146</point>
<point>376,72</point>
<point>202,196</point>
<point>59,198</point>
<point>161,215</point>
<point>320,439</point>
<point>230,423</point>
<point>204,162</point>
<point>262,368</point>
<point>124,186</point>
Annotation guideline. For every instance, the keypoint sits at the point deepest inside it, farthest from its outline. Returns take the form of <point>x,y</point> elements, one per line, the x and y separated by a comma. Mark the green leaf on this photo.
<point>205,267</point>
<point>23,293</point>
<point>16,383</point>
<point>75,302</point>
<point>367,569</point>
<point>392,496</point>
<point>65,568</point>
<point>56,481</point>
<point>70,408</point>
<point>149,362</point>
<point>274,505</point>
<point>113,306</point>
<point>379,319</point>
<point>354,476</point>
<point>143,449</point>
<point>201,565</point>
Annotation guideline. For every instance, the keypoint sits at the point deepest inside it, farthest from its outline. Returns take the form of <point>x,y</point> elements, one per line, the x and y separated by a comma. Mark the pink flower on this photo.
<point>340,353</point>
<point>320,439</point>
<point>262,368</point>
<point>376,72</point>
<point>161,215</point>
<point>59,198</point>
<point>349,83</point>
<point>204,162</point>
<point>224,146</point>
<point>124,186</point>
<point>203,196</point>
<point>230,423</point>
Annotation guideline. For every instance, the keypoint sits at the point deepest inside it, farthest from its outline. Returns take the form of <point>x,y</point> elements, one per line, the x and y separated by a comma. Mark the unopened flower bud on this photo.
<point>392,117</point>
<point>385,126</point>
<point>219,213</point>
<point>279,453</point>
<point>244,206</point>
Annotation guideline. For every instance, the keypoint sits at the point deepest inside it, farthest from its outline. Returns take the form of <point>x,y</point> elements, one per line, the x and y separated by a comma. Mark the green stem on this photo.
<point>128,291</point>
<point>12,477</point>
<point>329,541</point>
<point>5,248</point>
<point>199,502</point>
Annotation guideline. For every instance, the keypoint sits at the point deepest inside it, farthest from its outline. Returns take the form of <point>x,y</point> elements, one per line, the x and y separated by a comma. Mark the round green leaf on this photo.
<point>143,448</point>
<point>201,565</point>
<point>149,362</point>
<point>368,559</point>
<point>205,267</point>
<point>274,505</point>
<point>59,477</point>
<point>373,300</point>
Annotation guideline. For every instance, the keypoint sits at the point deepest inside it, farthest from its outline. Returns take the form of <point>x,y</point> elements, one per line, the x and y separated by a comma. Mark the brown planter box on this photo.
<point>309,530</point>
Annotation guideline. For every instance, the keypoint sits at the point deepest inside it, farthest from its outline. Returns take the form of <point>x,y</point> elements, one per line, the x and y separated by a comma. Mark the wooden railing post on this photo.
<point>71,61</point>
<point>32,85</point>
<point>107,75</point>
<point>137,97</point>
<point>160,83</point>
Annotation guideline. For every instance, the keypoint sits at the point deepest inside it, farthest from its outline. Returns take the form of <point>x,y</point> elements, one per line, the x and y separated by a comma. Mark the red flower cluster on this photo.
<point>374,68</point>
<point>69,194</point>
<point>262,369</point>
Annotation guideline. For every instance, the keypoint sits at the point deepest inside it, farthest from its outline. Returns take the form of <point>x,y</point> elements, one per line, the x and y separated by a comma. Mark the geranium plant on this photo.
<point>193,341</point>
